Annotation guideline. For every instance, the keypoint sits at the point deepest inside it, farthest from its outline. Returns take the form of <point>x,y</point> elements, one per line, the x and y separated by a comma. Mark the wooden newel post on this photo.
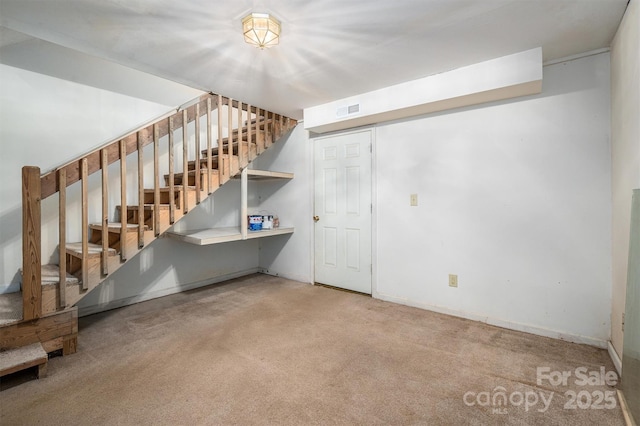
<point>31,243</point>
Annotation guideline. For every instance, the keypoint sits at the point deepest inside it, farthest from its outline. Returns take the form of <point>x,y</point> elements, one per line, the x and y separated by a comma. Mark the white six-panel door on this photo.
<point>343,210</point>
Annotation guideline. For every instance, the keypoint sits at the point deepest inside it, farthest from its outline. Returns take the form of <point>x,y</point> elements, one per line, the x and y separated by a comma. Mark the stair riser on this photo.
<point>253,148</point>
<point>113,237</point>
<point>215,182</point>
<point>149,197</point>
<point>191,180</point>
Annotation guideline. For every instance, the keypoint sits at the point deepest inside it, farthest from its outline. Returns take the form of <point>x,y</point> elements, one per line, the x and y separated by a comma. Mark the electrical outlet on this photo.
<point>413,200</point>
<point>453,280</point>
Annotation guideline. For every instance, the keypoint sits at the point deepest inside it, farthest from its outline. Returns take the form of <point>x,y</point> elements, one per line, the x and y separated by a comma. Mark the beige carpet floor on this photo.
<point>265,350</point>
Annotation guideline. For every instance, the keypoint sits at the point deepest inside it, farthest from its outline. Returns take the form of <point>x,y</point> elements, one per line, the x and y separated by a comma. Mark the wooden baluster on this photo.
<point>31,244</point>
<point>230,138</point>
<point>197,150</point>
<point>209,143</point>
<point>269,126</point>
<point>220,143</point>
<point>265,129</point>
<point>242,161</point>
<point>141,215</point>
<point>84,167</point>
<point>105,211</point>
<point>249,133</point>
<point>185,162</point>
<point>123,200</point>
<point>172,194</point>
<point>62,236</point>
<point>156,181</point>
<point>274,127</point>
<point>263,133</point>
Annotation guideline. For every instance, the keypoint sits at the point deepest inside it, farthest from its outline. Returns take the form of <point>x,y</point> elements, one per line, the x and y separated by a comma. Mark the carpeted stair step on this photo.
<point>50,275</point>
<point>18,359</point>
<point>94,252</point>
<point>10,308</point>
<point>116,227</point>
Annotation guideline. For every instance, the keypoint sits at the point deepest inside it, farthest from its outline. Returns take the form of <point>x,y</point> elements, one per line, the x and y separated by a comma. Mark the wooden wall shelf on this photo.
<point>203,237</point>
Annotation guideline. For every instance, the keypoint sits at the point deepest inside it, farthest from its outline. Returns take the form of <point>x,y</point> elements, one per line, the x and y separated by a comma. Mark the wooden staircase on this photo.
<point>49,316</point>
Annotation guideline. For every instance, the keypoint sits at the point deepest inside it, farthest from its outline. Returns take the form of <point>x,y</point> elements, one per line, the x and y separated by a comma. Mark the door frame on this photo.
<point>374,202</point>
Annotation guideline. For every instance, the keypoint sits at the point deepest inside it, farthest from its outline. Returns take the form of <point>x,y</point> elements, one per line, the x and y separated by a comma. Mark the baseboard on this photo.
<point>114,304</point>
<point>628,417</point>
<point>539,331</point>
<point>292,277</point>
<point>617,362</point>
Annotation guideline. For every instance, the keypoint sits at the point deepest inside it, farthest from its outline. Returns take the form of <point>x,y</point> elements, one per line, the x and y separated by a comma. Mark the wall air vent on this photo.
<point>348,110</point>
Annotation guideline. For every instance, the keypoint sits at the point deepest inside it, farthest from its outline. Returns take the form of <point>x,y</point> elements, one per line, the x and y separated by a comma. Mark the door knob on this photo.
<point>316,218</point>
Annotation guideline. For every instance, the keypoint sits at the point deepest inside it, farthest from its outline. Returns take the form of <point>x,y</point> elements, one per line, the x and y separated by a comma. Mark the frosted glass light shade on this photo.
<point>261,29</point>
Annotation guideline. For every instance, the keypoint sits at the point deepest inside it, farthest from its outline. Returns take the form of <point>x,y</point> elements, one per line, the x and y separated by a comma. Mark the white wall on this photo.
<point>625,141</point>
<point>514,198</point>
<point>289,256</point>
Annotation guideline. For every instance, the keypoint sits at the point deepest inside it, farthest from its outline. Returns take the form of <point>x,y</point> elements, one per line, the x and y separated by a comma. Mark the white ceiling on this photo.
<point>329,49</point>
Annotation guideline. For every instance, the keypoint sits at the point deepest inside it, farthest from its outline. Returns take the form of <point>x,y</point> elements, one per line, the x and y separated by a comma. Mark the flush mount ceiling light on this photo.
<point>261,29</point>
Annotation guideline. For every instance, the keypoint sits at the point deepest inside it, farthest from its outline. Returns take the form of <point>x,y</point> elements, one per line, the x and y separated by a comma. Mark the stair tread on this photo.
<point>116,226</point>
<point>75,249</point>
<point>51,275</point>
<point>215,150</point>
<point>21,358</point>
<point>147,207</point>
<point>175,188</point>
<point>10,308</point>
<point>203,164</point>
<point>203,171</point>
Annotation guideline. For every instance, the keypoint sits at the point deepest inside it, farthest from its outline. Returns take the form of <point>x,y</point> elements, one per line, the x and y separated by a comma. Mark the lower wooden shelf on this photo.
<point>203,237</point>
